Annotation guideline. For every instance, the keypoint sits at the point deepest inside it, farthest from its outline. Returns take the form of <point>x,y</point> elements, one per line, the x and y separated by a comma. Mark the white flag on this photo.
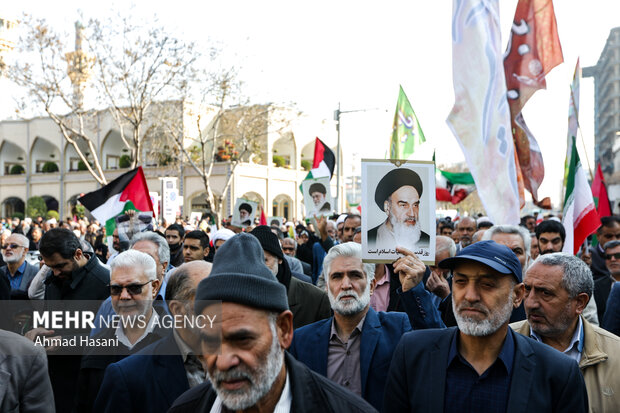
<point>480,118</point>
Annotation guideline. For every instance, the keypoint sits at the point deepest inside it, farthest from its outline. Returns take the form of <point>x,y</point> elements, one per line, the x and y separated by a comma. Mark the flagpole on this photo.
<point>585,150</point>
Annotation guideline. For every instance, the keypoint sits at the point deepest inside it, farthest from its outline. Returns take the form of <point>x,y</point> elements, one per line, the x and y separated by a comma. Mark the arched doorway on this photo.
<point>282,207</point>
<point>50,202</point>
<point>13,205</point>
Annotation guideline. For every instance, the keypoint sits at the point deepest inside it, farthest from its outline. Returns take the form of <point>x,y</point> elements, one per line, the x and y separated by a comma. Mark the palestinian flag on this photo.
<point>128,191</point>
<point>453,186</point>
<point>324,162</point>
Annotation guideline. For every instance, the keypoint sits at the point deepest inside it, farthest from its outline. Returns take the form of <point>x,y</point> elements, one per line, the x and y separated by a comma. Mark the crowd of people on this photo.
<point>502,321</point>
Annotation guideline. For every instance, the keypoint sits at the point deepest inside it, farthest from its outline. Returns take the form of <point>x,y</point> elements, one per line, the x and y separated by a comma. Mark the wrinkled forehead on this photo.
<point>128,274</point>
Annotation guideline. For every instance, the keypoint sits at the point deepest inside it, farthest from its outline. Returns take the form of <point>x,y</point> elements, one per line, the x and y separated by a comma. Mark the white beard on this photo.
<point>261,379</point>
<point>12,259</point>
<point>352,306</point>
<point>495,319</point>
<point>405,235</point>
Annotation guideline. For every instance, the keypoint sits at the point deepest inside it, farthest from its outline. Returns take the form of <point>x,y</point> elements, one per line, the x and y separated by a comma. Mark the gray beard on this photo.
<point>10,260</point>
<point>405,235</point>
<point>350,307</point>
<point>488,326</point>
<point>261,379</point>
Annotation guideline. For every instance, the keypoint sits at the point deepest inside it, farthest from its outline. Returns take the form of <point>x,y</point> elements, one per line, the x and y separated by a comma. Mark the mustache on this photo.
<point>347,294</point>
<point>477,307</point>
<point>236,373</point>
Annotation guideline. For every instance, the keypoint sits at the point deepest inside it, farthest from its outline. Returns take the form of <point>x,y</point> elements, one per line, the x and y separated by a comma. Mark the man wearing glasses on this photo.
<point>133,287</point>
<point>17,270</point>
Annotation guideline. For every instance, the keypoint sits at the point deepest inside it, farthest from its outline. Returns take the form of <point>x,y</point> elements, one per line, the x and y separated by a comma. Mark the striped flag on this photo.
<point>599,192</point>
<point>480,118</point>
<point>579,217</point>
<point>533,50</point>
<point>453,187</point>
<point>323,164</point>
<point>128,191</point>
<point>407,133</point>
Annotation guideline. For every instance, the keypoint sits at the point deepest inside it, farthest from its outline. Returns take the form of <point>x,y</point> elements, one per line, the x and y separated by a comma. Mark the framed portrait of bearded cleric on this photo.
<point>244,213</point>
<point>398,209</point>
<point>317,196</point>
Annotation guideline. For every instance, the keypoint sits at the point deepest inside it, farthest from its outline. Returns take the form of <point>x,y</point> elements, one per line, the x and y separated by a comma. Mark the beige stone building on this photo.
<point>27,146</point>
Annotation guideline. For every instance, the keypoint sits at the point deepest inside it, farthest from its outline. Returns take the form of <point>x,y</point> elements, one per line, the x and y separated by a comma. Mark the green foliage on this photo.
<point>306,165</point>
<point>49,167</point>
<point>279,161</point>
<point>52,214</point>
<point>81,166</point>
<point>16,170</point>
<point>124,161</point>
<point>19,215</point>
<point>79,211</point>
<point>35,207</point>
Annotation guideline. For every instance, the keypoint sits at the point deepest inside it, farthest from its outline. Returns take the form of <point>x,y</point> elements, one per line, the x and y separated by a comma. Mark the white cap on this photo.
<point>223,234</point>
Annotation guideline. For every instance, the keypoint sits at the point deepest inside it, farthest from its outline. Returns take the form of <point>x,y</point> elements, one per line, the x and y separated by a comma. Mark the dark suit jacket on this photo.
<point>611,319</point>
<point>29,272</point>
<point>543,379</point>
<point>381,333</point>
<point>148,381</point>
<point>311,393</point>
<point>372,236</point>
<point>602,287</point>
<point>307,303</point>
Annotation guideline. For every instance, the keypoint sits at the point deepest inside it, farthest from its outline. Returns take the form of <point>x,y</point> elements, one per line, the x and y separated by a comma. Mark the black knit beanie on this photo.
<point>268,240</point>
<point>239,275</point>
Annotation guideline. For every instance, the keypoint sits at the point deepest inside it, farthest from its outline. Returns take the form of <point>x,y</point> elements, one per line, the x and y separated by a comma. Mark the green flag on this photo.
<point>407,132</point>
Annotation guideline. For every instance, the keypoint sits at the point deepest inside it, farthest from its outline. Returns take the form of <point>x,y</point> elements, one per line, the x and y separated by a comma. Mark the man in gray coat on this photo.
<point>24,382</point>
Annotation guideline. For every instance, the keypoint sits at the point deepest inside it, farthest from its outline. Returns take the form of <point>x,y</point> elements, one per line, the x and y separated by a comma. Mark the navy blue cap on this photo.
<point>490,253</point>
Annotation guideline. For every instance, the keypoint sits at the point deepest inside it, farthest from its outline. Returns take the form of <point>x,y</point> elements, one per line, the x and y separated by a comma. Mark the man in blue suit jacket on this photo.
<point>152,379</point>
<point>355,346</point>
<point>482,365</point>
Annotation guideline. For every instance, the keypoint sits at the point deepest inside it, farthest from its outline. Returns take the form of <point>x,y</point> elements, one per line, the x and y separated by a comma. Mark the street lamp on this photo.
<point>337,114</point>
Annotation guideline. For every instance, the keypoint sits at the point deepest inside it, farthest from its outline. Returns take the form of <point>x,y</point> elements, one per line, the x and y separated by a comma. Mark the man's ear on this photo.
<point>373,285</point>
<point>582,301</point>
<point>519,293</point>
<point>206,251</point>
<point>284,327</point>
<point>386,206</point>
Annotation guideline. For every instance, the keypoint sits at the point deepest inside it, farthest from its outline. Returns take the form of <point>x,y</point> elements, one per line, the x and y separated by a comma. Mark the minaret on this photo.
<point>6,42</point>
<point>79,67</point>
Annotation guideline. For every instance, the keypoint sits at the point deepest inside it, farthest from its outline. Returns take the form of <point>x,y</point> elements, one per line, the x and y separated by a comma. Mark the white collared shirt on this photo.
<point>283,406</point>
<point>122,338</point>
<point>575,348</point>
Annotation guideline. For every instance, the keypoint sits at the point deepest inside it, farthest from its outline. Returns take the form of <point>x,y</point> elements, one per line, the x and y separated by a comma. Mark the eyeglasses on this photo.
<point>610,256</point>
<point>132,289</point>
<point>12,246</point>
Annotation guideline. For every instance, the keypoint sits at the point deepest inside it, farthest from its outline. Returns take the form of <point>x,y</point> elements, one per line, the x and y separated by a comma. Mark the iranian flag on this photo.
<point>453,186</point>
<point>128,191</point>
<point>579,218</point>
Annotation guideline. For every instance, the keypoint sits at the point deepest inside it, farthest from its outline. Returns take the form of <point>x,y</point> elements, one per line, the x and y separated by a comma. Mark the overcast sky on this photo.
<point>356,53</point>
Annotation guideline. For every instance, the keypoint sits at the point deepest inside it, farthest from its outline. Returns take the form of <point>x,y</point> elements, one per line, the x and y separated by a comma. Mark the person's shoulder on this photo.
<point>193,400</point>
<point>336,396</point>
<point>391,316</point>
<point>608,338</point>
<point>306,288</point>
<point>311,328</point>
<point>430,335</point>
<point>15,344</point>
